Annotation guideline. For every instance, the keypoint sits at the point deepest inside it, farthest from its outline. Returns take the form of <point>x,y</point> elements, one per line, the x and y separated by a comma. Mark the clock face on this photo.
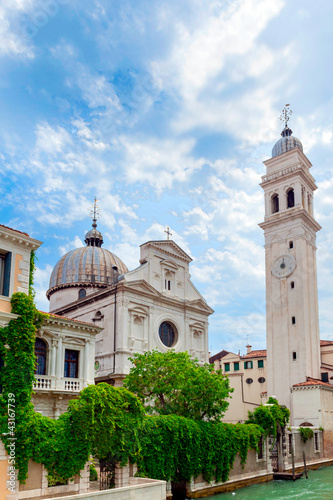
<point>283,266</point>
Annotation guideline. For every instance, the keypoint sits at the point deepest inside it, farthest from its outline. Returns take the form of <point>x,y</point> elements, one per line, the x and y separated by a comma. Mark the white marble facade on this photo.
<point>132,310</point>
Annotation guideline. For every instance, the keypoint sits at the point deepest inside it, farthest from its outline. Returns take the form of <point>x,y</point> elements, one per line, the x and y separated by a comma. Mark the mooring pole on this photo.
<point>304,460</point>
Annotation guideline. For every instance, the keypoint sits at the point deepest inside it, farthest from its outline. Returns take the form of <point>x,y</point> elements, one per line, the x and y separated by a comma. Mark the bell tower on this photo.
<point>292,322</point>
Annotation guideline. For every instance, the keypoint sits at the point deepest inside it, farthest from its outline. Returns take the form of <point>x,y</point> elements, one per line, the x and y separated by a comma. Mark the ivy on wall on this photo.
<point>101,420</point>
<point>174,447</point>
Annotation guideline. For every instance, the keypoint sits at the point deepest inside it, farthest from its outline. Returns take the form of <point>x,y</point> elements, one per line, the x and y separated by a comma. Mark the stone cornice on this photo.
<point>287,215</point>
<point>287,173</point>
<point>19,239</point>
<point>311,387</point>
<point>71,324</point>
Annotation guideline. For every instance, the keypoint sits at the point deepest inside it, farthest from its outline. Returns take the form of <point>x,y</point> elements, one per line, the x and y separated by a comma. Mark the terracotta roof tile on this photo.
<point>326,342</point>
<point>256,354</point>
<point>311,382</point>
<point>16,231</point>
<point>65,317</point>
<point>219,355</point>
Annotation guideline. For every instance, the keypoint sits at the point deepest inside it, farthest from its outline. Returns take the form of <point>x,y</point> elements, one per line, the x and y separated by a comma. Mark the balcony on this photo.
<point>52,383</point>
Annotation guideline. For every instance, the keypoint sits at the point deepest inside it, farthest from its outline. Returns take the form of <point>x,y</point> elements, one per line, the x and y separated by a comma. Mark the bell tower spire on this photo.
<point>292,324</point>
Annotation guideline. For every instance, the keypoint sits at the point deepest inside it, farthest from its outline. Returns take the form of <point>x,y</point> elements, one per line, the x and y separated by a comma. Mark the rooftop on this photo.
<point>256,354</point>
<point>16,231</point>
<point>217,356</point>
<point>312,382</point>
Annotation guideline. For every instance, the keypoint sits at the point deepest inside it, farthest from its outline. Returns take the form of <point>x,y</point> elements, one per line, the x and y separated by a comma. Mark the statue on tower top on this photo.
<point>285,117</point>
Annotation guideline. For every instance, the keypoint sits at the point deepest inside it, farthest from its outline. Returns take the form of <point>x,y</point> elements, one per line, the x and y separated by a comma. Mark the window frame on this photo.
<point>227,367</point>
<point>71,362</point>
<point>5,272</point>
<point>246,367</point>
<point>260,363</point>
<point>42,351</point>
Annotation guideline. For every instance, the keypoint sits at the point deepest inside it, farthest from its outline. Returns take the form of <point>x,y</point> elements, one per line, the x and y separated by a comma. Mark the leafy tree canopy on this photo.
<point>173,383</point>
<point>271,417</point>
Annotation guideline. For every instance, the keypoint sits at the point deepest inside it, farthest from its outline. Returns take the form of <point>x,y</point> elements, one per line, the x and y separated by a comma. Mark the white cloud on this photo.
<point>159,162</point>
<point>12,40</point>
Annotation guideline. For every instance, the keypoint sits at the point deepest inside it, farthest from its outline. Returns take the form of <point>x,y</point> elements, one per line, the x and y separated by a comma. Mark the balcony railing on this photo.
<point>42,382</point>
<point>72,385</point>
<point>52,383</point>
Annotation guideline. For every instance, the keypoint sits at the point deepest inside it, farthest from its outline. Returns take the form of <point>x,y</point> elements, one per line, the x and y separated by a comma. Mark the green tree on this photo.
<point>271,417</point>
<point>173,383</point>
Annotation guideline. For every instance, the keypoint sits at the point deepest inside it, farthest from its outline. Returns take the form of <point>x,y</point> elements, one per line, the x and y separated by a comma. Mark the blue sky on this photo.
<point>164,111</point>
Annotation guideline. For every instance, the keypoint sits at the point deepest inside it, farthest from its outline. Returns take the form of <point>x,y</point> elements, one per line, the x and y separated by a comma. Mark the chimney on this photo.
<point>248,347</point>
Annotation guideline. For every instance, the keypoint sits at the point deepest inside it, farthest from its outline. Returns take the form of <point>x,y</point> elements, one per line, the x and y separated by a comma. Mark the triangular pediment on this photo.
<point>170,248</point>
<point>201,305</point>
<point>141,286</point>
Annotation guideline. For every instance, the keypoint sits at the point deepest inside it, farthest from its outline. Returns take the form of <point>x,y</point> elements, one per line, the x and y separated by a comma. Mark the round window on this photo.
<point>261,380</point>
<point>167,334</point>
<point>249,380</point>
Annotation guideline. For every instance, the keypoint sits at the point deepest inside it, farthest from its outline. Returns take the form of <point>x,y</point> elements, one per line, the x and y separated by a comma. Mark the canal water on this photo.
<point>319,485</point>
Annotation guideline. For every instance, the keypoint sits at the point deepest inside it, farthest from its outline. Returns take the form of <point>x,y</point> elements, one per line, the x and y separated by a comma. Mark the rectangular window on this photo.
<point>71,363</point>
<point>248,365</point>
<point>324,377</point>
<point>236,366</point>
<point>167,284</point>
<point>227,367</point>
<point>260,363</point>
<point>316,441</point>
<point>5,263</point>
<point>290,443</point>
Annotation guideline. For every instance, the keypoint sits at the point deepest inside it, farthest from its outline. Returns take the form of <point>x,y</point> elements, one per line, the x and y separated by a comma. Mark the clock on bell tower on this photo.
<point>292,322</point>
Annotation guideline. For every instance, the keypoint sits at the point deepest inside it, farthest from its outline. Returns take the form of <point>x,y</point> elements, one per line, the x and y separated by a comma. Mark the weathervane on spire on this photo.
<point>168,232</point>
<point>286,114</point>
<point>95,213</point>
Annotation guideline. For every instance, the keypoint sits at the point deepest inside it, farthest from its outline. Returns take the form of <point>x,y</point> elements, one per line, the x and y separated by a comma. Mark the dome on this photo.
<point>90,265</point>
<point>286,143</point>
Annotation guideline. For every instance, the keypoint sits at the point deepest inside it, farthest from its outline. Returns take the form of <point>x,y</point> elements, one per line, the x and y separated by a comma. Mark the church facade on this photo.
<point>155,306</point>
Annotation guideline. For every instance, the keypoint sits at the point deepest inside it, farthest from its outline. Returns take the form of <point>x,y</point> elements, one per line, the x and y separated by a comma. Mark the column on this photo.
<point>298,194</point>
<point>267,204</point>
<point>86,362</point>
<point>53,357</point>
<point>60,368</point>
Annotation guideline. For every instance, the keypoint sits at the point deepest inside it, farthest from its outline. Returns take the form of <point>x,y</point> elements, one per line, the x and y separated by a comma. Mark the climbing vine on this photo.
<point>306,433</point>
<point>102,420</point>
<point>174,447</point>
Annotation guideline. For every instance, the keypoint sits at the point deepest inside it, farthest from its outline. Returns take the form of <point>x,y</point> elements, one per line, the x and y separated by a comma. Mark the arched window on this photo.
<point>82,293</point>
<point>167,334</point>
<point>294,356</point>
<point>290,198</point>
<point>293,320</point>
<point>40,352</point>
<point>275,203</point>
<point>292,285</point>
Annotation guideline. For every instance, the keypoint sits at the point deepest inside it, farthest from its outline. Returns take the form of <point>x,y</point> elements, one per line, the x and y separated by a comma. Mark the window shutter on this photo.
<point>6,281</point>
<point>251,364</point>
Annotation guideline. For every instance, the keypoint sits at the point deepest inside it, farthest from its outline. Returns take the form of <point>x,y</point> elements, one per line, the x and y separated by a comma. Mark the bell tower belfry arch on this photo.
<point>292,320</point>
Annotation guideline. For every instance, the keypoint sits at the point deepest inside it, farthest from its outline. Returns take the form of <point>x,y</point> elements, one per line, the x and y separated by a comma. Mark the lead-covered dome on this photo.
<point>87,266</point>
<point>287,143</point>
